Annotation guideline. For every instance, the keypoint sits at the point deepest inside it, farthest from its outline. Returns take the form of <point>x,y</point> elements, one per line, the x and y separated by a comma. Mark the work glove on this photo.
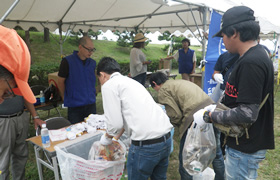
<point>198,117</point>
<point>210,108</point>
<point>219,78</point>
<point>116,140</point>
<point>104,140</point>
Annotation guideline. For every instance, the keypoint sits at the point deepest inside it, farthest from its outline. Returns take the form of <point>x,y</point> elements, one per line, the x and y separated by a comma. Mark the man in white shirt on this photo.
<point>127,104</point>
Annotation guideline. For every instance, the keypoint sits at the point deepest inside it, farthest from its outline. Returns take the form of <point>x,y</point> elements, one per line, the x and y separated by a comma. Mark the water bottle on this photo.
<point>42,97</point>
<point>45,136</point>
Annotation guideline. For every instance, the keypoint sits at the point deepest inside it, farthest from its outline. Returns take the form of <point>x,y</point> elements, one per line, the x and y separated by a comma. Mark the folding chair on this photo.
<point>51,123</point>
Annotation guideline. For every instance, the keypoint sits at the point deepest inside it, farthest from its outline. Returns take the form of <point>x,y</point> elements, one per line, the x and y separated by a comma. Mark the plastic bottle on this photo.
<point>42,97</point>
<point>45,136</point>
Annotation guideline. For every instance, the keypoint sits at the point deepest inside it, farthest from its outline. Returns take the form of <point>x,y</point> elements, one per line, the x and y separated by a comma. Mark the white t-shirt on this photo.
<point>137,57</point>
<point>128,104</point>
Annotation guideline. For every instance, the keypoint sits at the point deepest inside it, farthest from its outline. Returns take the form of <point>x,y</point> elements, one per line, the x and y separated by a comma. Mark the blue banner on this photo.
<point>215,48</point>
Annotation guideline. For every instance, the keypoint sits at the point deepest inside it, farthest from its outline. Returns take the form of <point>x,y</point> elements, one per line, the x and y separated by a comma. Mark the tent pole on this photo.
<point>204,29</point>
<point>9,11</point>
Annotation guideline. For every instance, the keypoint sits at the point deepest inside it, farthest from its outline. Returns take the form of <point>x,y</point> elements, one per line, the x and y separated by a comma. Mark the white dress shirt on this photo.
<point>128,104</point>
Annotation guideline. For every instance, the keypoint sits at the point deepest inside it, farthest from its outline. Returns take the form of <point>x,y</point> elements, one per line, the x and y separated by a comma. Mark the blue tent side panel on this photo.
<point>215,47</point>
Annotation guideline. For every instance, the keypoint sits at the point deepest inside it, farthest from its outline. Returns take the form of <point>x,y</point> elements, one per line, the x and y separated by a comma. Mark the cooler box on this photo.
<point>74,164</point>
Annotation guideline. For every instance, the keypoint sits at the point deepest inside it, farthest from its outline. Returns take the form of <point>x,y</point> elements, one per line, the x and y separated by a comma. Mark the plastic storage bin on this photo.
<point>72,157</point>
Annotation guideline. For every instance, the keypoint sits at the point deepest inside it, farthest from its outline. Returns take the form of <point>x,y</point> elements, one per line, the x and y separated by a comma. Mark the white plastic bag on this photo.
<point>112,152</point>
<point>72,157</point>
<point>199,148</point>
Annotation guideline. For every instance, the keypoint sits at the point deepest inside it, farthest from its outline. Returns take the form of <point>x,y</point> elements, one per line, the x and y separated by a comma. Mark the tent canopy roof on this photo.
<point>151,15</point>
<point>102,15</point>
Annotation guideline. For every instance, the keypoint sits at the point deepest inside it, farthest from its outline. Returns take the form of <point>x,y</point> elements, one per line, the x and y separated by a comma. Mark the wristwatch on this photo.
<point>36,117</point>
<point>206,117</point>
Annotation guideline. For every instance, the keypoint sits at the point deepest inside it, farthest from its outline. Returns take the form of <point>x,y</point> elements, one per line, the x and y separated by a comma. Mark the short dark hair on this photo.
<point>248,30</point>
<point>83,40</point>
<point>139,45</point>
<point>158,78</point>
<point>107,65</point>
<point>186,40</point>
<point>5,74</point>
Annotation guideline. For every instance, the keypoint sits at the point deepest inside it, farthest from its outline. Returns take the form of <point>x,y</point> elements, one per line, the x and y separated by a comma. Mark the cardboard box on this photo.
<point>197,78</point>
<point>164,64</point>
<point>53,79</point>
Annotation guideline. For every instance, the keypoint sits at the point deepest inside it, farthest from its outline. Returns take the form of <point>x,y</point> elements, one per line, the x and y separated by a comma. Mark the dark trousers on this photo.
<point>141,78</point>
<point>77,114</point>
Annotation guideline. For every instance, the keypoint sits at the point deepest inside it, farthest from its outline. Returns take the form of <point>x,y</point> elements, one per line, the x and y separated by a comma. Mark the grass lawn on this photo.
<point>269,168</point>
<point>40,52</point>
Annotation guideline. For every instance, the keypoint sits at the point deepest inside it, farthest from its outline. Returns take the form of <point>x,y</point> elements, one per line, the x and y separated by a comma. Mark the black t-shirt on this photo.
<point>225,60</point>
<point>250,81</point>
<point>64,68</point>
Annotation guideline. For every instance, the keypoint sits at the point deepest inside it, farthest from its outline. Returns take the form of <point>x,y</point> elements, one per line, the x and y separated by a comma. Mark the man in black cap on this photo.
<point>251,80</point>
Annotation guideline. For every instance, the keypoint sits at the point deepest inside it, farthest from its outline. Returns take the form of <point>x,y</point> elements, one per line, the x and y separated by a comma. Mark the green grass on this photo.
<point>50,52</point>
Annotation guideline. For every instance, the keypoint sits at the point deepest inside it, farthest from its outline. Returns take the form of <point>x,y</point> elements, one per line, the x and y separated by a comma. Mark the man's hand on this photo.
<point>104,140</point>
<point>219,78</point>
<point>198,117</point>
<point>38,122</point>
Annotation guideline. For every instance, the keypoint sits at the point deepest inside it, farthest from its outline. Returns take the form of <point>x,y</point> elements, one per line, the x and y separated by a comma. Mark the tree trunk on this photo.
<point>85,33</point>
<point>46,35</point>
<point>27,41</point>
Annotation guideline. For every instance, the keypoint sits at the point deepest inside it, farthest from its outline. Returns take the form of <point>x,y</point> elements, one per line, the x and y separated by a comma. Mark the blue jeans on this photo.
<point>77,114</point>
<point>141,78</point>
<point>218,162</point>
<point>241,165</point>
<point>148,161</point>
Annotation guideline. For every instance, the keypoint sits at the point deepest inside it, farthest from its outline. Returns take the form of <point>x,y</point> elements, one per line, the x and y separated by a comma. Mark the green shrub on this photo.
<point>39,72</point>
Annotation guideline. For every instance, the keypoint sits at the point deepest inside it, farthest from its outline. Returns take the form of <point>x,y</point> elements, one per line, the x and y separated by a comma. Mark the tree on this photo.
<point>126,38</point>
<point>46,35</point>
<point>94,34</point>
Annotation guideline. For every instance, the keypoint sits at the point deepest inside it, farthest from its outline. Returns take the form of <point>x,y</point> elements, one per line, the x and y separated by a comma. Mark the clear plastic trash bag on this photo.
<point>199,148</point>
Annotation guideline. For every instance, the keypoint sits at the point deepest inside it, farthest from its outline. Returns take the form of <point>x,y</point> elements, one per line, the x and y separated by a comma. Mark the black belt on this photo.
<point>12,115</point>
<point>151,141</point>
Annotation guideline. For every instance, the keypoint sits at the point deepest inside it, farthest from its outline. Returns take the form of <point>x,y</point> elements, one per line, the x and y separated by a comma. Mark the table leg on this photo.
<point>39,165</point>
<point>55,168</point>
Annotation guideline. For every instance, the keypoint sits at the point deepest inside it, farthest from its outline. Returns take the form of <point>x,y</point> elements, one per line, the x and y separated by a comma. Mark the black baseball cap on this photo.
<point>235,15</point>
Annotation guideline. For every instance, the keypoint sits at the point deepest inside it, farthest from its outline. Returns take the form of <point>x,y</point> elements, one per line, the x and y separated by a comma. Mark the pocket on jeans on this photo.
<point>147,162</point>
<point>253,166</point>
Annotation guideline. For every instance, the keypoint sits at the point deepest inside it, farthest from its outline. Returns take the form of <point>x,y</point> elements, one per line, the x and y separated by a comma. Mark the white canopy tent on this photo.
<point>145,15</point>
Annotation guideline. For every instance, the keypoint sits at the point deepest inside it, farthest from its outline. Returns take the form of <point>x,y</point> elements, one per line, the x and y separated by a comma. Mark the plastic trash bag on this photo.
<point>111,152</point>
<point>74,164</point>
<point>199,148</point>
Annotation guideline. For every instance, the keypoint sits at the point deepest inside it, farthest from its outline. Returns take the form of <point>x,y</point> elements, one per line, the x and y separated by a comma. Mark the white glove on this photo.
<point>116,140</point>
<point>198,117</point>
<point>219,78</point>
<point>210,108</point>
<point>104,140</point>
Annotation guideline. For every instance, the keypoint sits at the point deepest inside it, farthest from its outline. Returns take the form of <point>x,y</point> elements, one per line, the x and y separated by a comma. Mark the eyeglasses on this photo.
<point>89,50</point>
<point>8,94</point>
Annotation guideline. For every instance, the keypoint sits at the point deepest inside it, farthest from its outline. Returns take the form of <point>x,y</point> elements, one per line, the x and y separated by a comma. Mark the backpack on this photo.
<point>52,95</point>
